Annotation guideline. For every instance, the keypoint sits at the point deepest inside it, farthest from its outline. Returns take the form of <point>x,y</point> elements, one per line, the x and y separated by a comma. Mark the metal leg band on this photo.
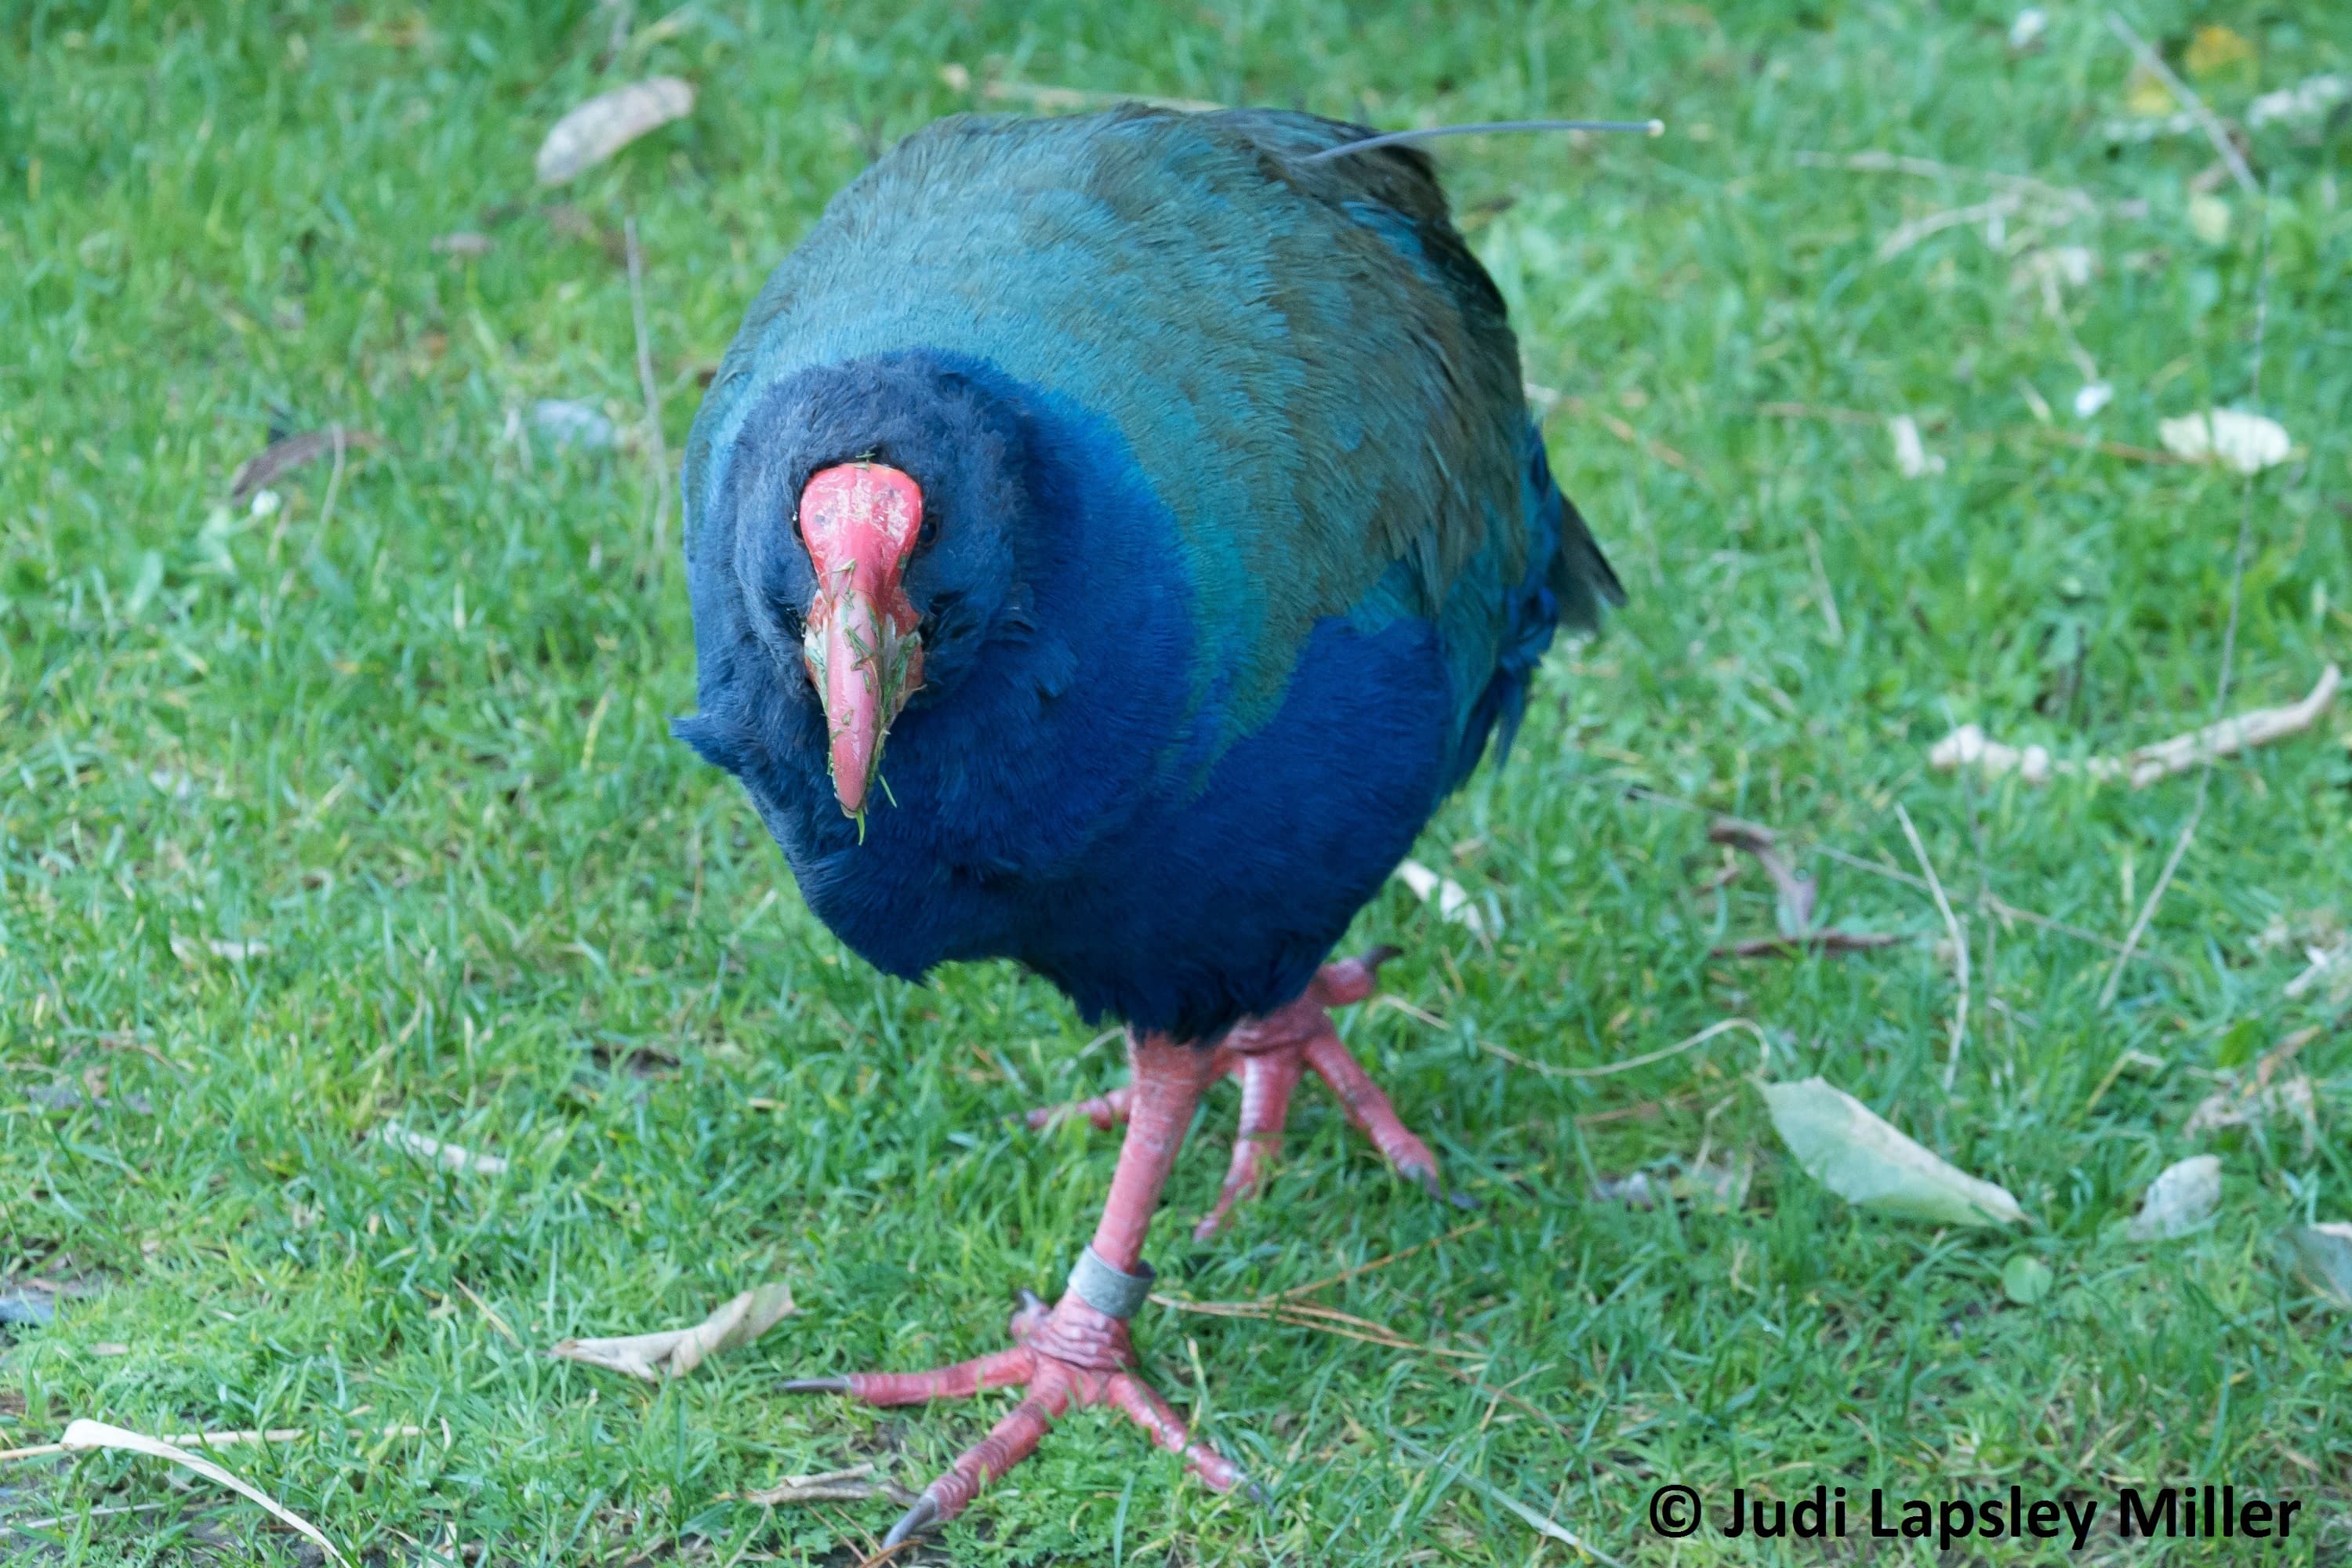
<point>1110,1291</point>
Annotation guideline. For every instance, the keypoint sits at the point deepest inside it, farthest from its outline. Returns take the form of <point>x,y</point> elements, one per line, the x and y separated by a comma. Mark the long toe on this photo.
<point>998,1369</point>
<point>1267,1078</point>
<point>1105,1111</point>
<point>1008,1443</point>
<point>1144,1407</point>
<point>1369,1108</point>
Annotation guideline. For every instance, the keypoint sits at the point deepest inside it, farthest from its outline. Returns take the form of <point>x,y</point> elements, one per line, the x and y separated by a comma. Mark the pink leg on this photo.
<point>1267,1079</point>
<point>1269,1056</point>
<point>1074,1355</point>
<point>1108,1110</point>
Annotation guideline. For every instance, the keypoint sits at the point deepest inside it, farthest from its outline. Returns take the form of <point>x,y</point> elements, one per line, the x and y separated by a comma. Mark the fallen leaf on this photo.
<point>465,243</point>
<point>2073,264</point>
<point>84,1437</point>
<point>2025,1280</point>
<point>2307,99</point>
<point>1911,455</point>
<point>2252,1106</point>
<point>608,123</point>
<point>2329,966</point>
<point>449,1156</point>
<point>2324,1255</point>
<point>2248,442</point>
<point>673,1353</point>
<point>1708,1185</point>
<point>1795,893</point>
<point>281,457</point>
<point>192,953</point>
<point>1454,905</point>
<point>2179,1200</point>
<point>1637,1190</point>
<point>1849,1149</point>
<point>569,423</point>
<point>2146,94</point>
<point>2215,49</point>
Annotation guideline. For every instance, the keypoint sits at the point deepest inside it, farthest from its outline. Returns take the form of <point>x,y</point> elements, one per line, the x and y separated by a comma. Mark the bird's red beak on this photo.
<point>859,522</point>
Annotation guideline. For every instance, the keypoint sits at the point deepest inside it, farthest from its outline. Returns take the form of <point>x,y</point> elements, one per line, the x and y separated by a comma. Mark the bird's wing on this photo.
<point>1489,547</point>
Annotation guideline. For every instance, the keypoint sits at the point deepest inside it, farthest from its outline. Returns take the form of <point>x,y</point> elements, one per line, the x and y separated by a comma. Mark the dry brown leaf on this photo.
<point>2250,1106</point>
<point>608,123</point>
<point>1797,892</point>
<point>279,457</point>
<point>673,1353</point>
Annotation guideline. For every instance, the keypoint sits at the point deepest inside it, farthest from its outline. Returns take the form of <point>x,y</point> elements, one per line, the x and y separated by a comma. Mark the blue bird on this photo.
<point>1111,538</point>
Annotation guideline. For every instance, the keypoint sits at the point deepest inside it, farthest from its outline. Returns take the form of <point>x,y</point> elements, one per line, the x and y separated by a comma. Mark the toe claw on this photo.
<point>914,1521</point>
<point>818,1386</point>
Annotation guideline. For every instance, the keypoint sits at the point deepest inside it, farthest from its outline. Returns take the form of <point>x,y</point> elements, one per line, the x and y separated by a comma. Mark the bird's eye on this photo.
<point>930,529</point>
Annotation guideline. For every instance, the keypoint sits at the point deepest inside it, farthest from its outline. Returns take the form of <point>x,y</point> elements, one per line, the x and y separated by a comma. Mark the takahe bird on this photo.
<point>1109,540</point>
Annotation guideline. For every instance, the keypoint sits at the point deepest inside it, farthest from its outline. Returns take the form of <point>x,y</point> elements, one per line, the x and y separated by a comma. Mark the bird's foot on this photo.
<point>1070,1357</point>
<point>1267,1057</point>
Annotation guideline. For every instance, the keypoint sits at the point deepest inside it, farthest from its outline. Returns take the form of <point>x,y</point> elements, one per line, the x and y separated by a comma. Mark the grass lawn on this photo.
<point>363,810</point>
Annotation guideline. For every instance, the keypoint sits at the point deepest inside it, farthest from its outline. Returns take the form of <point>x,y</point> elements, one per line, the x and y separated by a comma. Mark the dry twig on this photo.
<point>1607,1069</point>
<point>1830,939</point>
<point>656,445</point>
<point>1970,746</point>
